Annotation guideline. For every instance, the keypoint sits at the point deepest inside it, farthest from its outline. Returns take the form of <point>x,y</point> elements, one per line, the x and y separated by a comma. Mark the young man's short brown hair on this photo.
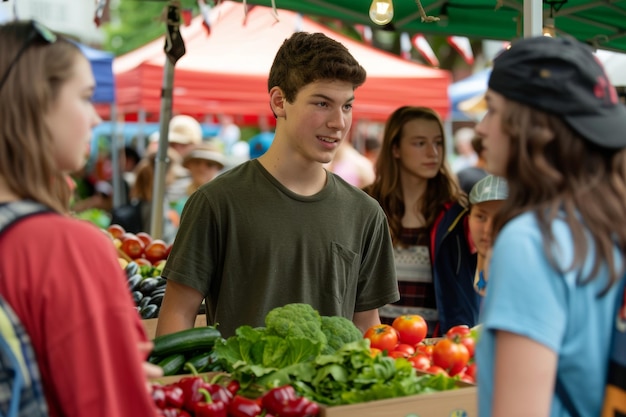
<point>304,58</point>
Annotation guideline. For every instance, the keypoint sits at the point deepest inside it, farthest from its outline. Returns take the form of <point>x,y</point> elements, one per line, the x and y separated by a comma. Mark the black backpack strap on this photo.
<point>14,211</point>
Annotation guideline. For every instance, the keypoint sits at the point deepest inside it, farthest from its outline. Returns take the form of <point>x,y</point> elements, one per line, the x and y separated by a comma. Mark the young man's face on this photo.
<point>319,119</point>
<point>481,223</point>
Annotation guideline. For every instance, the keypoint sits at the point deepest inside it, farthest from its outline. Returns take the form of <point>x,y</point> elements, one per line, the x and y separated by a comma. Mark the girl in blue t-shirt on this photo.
<point>556,131</point>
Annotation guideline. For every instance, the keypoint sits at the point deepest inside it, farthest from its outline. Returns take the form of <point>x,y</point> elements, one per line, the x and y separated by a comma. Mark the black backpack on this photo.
<point>21,393</point>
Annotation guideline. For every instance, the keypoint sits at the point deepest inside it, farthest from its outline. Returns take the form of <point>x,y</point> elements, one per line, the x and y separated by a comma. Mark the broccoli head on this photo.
<point>339,331</point>
<point>296,320</point>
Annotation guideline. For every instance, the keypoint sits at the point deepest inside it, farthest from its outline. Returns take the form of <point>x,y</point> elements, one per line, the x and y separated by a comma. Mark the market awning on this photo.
<point>601,23</point>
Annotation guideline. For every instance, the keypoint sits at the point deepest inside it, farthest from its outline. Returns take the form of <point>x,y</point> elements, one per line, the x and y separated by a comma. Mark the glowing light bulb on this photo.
<point>381,11</point>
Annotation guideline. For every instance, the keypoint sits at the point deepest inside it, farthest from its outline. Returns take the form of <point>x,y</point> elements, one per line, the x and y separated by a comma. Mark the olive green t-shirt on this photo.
<point>249,244</point>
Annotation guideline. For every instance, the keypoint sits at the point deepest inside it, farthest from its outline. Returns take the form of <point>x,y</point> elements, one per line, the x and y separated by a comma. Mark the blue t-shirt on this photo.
<point>528,297</point>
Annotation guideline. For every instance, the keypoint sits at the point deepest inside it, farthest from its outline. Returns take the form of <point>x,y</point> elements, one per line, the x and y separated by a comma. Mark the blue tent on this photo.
<point>102,67</point>
<point>470,87</point>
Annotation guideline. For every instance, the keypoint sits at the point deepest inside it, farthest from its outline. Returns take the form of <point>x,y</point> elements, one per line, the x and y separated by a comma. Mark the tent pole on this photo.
<point>533,18</point>
<point>118,198</point>
<point>161,162</point>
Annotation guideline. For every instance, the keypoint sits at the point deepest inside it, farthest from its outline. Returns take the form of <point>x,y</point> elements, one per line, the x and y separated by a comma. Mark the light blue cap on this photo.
<point>490,188</point>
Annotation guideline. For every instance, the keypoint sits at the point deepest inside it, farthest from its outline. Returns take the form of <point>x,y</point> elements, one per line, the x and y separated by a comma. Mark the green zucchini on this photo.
<point>200,362</point>
<point>196,338</point>
<point>172,364</point>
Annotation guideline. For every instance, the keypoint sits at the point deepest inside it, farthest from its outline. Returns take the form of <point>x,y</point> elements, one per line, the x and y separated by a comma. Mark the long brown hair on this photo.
<point>554,173</point>
<point>27,162</point>
<point>387,187</point>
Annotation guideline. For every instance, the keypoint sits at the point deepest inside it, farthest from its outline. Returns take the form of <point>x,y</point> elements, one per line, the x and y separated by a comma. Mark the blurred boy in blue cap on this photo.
<point>486,198</point>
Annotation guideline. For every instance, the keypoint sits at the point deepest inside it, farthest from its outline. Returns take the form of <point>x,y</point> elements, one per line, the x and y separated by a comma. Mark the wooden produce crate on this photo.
<point>165,380</point>
<point>461,402</point>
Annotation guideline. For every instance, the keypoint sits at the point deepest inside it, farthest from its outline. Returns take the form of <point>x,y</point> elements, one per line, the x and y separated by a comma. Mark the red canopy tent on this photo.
<point>225,72</point>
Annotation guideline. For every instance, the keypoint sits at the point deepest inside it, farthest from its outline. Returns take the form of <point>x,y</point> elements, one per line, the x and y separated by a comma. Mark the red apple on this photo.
<point>116,230</point>
<point>156,251</point>
<point>145,238</point>
<point>142,261</point>
<point>133,246</point>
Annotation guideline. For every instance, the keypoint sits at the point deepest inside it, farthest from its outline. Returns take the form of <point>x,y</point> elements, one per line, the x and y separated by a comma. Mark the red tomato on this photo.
<point>412,328</point>
<point>470,344</point>
<point>434,369</point>
<point>424,348</point>
<point>451,356</point>
<point>466,378</point>
<point>420,361</point>
<point>470,370</point>
<point>398,354</point>
<point>382,336</point>
<point>458,332</point>
<point>403,347</point>
<point>462,334</point>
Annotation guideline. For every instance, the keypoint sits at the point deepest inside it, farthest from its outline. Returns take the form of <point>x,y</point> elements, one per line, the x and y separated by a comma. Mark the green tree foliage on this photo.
<point>137,22</point>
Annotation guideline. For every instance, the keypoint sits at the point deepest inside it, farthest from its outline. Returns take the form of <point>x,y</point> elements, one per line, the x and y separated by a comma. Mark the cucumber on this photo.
<point>172,364</point>
<point>196,338</point>
<point>200,362</point>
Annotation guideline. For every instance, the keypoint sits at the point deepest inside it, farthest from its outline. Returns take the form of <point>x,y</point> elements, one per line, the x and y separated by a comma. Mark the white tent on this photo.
<point>615,66</point>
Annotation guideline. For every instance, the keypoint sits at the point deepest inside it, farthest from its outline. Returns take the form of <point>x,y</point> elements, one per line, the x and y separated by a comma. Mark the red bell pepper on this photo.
<point>174,396</point>
<point>284,402</point>
<point>208,407</point>
<point>190,386</point>
<point>276,398</point>
<point>243,407</point>
<point>173,412</point>
<point>299,407</point>
<point>158,396</point>
<point>233,386</point>
<point>218,392</point>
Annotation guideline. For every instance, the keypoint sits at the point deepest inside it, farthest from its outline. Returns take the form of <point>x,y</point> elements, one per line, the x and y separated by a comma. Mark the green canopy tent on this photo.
<point>601,23</point>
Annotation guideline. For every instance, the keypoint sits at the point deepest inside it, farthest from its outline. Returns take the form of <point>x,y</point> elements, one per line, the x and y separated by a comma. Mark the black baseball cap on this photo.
<point>562,76</point>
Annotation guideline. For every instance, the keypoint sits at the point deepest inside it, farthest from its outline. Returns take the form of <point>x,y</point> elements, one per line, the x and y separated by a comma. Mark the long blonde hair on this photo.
<point>27,162</point>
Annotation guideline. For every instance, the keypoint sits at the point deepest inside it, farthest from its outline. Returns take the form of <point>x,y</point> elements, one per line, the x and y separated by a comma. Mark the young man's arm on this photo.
<point>366,319</point>
<point>179,309</point>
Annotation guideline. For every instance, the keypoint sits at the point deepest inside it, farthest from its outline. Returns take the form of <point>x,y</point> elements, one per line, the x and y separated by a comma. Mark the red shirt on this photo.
<point>63,279</point>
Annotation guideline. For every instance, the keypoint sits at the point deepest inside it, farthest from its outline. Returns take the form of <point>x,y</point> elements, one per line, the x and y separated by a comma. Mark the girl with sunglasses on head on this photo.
<point>59,275</point>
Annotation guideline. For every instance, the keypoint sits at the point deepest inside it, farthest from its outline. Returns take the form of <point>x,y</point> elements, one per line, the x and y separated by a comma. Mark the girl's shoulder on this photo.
<point>50,227</point>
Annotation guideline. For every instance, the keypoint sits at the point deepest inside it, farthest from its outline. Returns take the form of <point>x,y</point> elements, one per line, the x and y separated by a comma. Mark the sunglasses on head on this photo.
<point>37,32</point>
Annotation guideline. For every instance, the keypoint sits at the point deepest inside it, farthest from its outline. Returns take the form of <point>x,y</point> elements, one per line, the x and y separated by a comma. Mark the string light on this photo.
<point>381,11</point>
